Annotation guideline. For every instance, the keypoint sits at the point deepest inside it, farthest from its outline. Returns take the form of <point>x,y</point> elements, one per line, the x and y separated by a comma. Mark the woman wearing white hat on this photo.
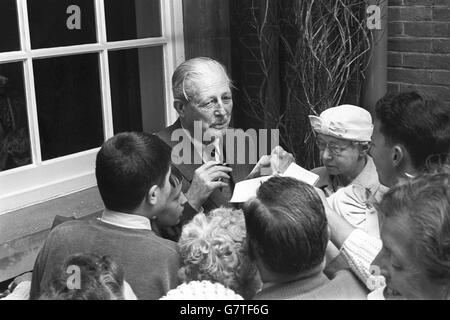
<point>343,137</point>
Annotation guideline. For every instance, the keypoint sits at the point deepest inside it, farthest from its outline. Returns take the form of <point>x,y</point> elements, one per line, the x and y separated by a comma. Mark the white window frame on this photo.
<point>45,180</point>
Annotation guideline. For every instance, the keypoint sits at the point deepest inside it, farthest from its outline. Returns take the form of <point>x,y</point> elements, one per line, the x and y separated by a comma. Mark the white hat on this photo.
<point>345,122</point>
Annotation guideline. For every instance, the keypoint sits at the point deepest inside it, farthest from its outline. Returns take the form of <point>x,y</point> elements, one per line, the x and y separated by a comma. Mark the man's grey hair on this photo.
<point>192,71</point>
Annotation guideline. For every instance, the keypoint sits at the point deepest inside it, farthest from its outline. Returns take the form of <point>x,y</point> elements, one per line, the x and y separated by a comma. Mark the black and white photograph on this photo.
<point>210,152</point>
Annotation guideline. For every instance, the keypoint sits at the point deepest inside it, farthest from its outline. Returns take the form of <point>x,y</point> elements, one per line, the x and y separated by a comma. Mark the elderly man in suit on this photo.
<point>204,103</point>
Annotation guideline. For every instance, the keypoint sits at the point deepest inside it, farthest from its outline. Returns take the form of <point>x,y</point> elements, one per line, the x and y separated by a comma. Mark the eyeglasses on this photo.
<point>334,148</point>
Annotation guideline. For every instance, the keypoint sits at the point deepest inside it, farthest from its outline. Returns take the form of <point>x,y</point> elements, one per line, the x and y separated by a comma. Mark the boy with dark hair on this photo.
<point>287,237</point>
<point>409,129</point>
<point>134,179</point>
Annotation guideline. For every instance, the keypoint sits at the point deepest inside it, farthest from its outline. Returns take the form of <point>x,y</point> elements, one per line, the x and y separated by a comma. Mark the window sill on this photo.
<point>22,232</point>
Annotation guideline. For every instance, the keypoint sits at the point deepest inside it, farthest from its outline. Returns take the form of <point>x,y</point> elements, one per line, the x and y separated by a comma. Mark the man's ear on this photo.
<point>179,107</point>
<point>153,195</point>
<point>398,154</point>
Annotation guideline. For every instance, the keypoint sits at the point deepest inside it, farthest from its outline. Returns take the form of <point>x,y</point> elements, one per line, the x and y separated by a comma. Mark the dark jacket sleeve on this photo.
<point>35,290</point>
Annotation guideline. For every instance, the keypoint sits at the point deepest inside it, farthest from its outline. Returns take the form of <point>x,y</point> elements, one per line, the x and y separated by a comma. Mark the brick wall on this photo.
<point>419,47</point>
<point>207,29</point>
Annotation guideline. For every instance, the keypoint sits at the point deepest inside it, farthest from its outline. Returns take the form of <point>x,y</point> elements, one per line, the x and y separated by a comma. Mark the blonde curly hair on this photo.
<point>213,248</point>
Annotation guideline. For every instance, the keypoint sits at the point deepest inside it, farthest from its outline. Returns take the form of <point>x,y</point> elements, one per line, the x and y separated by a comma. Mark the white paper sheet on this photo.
<point>245,190</point>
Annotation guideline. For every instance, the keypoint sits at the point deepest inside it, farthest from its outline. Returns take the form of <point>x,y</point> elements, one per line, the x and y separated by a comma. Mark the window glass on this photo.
<point>55,23</point>
<point>137,89</point>
<point>69,106</point>
<point>132,19</point>
<point>14,135</point>
<point>9,27</point>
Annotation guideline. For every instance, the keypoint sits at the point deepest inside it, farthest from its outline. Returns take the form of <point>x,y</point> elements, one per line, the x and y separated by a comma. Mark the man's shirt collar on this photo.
<point>200,147</point>
<point>125,220</point>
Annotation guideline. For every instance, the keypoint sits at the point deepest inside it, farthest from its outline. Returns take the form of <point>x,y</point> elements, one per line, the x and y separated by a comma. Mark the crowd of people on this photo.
<point>376,225</point>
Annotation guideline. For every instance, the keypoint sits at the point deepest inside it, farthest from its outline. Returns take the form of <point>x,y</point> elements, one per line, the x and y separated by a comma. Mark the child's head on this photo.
<point>86,277</point>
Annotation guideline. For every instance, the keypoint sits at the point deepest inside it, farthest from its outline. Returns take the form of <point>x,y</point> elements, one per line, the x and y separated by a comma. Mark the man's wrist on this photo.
<point>255,173</point>
<point>194,201</point>
<point>197,207</point>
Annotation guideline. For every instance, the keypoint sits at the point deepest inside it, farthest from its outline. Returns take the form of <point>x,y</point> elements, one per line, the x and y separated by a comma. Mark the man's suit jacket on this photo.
<point>341,286</point>
<point>239,173</point>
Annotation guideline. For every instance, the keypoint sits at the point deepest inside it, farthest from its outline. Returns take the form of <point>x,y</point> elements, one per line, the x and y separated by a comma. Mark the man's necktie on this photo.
<point>218,156</point>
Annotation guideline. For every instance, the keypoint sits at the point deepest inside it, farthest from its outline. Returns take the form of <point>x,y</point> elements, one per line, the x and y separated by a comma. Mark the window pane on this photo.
<point>68,104</point>
<point>137,89</point>
<point>55,23</point>
<point>8,24</point>
<point>14,134</point>
<point>132,19</point>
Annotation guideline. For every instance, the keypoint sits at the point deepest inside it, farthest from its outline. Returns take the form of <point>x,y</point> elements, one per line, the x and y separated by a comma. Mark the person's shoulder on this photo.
<point>68,226</point>
<point>267,294</point>
<point>165,252</point>
<point>348,286</point>
<point>72,231</point>
<point>166,133</point>
<point>163,246</point>
<point>319,170</point>
<point>324,177</point>
<point>349,201</point>
<point>324,180</point>
<point>351,193</point>
<point>343,285</point>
